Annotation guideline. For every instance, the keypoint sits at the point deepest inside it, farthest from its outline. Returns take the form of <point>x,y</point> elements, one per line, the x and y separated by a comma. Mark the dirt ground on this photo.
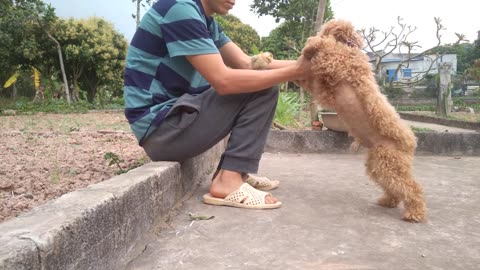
<point>43,156</point>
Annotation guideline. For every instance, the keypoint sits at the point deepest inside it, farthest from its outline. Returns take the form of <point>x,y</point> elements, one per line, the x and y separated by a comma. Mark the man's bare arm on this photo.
<point>234,57</point>
<point>232,81</point>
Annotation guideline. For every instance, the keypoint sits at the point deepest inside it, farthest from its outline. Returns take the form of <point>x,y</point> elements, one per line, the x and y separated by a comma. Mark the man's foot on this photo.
<point>226,182</point>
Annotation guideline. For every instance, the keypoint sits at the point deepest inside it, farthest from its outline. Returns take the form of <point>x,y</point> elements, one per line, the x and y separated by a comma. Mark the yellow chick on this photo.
<point>262,60</point>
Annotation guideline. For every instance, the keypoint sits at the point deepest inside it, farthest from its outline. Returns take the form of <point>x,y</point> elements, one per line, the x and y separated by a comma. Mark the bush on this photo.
<point>288,108</point>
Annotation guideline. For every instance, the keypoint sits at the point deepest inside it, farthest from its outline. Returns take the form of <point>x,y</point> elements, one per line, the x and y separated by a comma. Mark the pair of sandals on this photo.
<point>251,194</point>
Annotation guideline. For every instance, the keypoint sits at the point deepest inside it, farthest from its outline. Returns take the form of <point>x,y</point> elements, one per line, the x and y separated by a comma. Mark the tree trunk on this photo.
<point>139,2</point>
<point>318,24</point>
<point>320,15</point>
<point>77,72</point>
<point>444,98</point>
<point>75,92</point>
<point>14,91</point>
<point>90,83</point>
<point>62,67</point>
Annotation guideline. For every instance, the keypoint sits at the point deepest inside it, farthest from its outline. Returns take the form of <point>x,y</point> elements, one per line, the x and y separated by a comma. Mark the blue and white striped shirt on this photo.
<point>157,72</point>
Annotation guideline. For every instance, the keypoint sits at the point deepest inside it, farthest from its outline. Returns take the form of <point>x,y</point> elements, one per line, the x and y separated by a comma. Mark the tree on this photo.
<point>18,32</point>
<point>474,70</point>
<point>94,54</point>
<point>284,41</point>
<point>242,34</point>
<point>106,68</point>
<point>74,37</point>
<point>301,19</point>
<point>465,54</point>
<point>299,16</point>
<point>25,29</point>
<point>392,40</point>
<point>380,44</point>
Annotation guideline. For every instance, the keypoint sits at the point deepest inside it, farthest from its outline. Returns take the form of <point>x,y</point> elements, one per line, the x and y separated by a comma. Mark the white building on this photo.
<point>415,68</point>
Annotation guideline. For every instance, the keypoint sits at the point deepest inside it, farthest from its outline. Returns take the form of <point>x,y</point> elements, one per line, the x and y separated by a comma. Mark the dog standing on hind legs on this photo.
<point>342,80</point>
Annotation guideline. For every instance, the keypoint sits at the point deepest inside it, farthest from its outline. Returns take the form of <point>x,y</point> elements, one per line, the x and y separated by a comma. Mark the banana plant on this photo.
<point>14,77</point>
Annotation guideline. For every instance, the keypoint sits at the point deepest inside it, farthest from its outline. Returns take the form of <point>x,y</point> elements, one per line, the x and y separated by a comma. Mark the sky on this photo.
<point>460,16</point>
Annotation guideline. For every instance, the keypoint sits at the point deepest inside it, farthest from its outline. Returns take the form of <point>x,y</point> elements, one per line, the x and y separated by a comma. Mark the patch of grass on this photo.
<point>461,116</point>
<point>288,108</point>
<point>114,159</point>
<point>55,174</point>
<point>421,129</point>
<point>410,108</point>
<point>462,104</point>
<point>59,106</point>
<point>139,162</point>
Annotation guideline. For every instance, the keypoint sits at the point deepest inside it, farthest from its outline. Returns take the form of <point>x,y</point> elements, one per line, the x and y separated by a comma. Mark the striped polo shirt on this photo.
<point>157,72</point>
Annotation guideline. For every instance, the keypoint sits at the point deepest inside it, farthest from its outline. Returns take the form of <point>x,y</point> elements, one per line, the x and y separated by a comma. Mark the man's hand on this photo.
<point>303,68</point>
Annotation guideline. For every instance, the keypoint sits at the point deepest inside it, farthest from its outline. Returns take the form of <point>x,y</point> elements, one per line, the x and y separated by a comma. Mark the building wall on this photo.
<point>417,66</point>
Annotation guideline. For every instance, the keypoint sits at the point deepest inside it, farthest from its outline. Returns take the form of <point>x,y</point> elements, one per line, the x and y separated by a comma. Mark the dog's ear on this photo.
<point>311,48</point>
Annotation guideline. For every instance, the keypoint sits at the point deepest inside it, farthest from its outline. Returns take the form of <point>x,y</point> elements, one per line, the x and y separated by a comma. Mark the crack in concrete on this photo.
<point>37,247</point>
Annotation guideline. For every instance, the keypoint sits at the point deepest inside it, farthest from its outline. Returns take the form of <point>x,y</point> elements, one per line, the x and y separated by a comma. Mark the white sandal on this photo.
<point>244,197</point>
<point>262,183</point>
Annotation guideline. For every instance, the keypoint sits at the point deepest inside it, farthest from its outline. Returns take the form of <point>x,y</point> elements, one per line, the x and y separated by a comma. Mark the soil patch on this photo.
<point>44,156</point>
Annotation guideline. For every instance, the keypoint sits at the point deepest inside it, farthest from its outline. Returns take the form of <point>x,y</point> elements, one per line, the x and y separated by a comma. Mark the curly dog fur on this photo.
<point>342,80</point>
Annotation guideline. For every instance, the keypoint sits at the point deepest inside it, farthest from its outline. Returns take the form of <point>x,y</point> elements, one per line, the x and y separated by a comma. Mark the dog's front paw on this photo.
<point>388,201</point>
<point>355,146</point>
<point>415,210</point>
<point>413,217</point>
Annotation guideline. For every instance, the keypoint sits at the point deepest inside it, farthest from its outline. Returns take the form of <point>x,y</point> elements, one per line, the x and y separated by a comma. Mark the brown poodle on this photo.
<point>342,80</point>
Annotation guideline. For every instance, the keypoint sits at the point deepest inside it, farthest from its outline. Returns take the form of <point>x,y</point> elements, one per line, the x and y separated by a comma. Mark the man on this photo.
<point>187,86</point>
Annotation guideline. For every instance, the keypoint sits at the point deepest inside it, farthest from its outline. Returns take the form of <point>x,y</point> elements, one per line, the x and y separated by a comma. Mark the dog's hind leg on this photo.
<point>391,169</point>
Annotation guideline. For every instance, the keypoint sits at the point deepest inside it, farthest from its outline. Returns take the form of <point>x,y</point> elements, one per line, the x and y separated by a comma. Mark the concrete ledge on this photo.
<point>440,121</point>
<point>96,227</point>
<point>429,143</point>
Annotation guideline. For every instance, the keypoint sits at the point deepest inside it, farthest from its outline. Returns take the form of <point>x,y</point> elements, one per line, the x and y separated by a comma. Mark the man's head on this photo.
<point>220,7</point>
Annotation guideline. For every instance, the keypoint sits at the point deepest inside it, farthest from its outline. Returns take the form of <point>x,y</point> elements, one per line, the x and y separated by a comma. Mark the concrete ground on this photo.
<point>329,220</point>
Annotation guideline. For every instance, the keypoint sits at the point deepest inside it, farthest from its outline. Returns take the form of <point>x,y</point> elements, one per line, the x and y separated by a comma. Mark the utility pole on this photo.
<point>322,4</point>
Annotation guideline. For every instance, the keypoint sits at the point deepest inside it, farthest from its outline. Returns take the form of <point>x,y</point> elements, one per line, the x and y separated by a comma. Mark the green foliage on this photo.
<point>285,41</point>
<point>474,70</point>
<point>94,54</point>
<point>410,108</point>
<point>241,34</point>
<point>114,159</point>
<point>60,106</point>
<point>465,52</point>
<point>288,108</point>
<point>301,11</point>
<point>298,16</point>
<point>420,129</point>
<point>22,34</point>
<point>392,92</point>
<point>459,102</point>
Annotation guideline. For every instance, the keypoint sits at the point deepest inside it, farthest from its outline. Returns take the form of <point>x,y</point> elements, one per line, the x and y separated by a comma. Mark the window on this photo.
<point>391,73</point>
<point>407,72</point>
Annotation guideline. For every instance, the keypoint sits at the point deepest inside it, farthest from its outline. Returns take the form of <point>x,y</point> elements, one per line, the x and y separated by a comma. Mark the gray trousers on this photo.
<point>196,123</point>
